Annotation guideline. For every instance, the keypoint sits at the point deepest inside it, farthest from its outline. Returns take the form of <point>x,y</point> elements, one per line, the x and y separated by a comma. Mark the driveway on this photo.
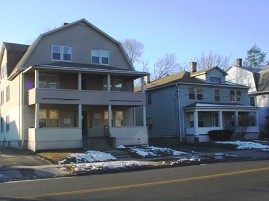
<point>18,157</point>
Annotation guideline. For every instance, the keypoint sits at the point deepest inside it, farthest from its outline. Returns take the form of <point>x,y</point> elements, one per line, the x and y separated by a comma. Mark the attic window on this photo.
<point>61,53</point>
<point>100,56</point>
<point>215,79</point>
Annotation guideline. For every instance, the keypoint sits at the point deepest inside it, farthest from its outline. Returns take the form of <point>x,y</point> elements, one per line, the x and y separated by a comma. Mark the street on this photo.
<point>220,181</point>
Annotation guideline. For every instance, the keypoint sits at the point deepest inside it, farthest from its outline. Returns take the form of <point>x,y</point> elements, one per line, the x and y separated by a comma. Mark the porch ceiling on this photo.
<point>219,107</point>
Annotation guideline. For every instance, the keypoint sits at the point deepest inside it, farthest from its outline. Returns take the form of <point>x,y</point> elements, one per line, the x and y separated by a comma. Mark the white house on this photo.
<point>257,79</point>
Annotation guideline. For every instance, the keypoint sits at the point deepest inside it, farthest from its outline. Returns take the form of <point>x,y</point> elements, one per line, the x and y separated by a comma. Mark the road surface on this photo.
<point>220,181</point>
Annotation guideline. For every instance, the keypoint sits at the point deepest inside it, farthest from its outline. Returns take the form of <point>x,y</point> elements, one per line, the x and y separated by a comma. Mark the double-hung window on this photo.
<point>7,123</point>
<point>7,93</point>
<point>199,93</point>
<point>61,53</point>
<point>191,93</point>
<point>48,118</point>
<point>238,96</point>
<point>235,96</point>
<point>217,97</point>
<point>48,81</point>
<point>232,99</point>
<point>100,56</point>
<point>195,93</point>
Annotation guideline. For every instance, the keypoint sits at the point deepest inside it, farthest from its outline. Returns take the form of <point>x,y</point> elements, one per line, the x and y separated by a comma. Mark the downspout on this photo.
<point>181,125</point>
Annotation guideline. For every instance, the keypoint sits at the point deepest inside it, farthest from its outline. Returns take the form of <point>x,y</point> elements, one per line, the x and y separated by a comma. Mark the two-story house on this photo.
<point>73,83</point>
<point>189,104</point>
<point>257,79</point>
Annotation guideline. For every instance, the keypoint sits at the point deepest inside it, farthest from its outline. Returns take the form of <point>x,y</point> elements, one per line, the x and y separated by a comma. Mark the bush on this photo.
<point>220,135</point>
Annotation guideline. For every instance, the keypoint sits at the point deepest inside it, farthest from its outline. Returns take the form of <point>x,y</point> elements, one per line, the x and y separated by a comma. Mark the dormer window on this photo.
<point>100,56</point>
<point>61,53</point>
<point>215,79</point>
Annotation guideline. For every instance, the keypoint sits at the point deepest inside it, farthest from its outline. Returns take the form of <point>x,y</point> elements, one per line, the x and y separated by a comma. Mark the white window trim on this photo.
<point>100,56</point>
<point>61,53</point>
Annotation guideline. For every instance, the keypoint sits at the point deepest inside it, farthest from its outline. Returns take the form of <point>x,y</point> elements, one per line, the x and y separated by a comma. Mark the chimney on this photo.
<point>146,79</point>
<point>239,62</point>
<point>193,67</point>
<point>65,23</point>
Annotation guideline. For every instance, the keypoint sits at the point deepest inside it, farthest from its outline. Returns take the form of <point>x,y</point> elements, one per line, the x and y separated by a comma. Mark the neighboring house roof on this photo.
<point>14,54</point>
<point>32,47</point>
<point>263,83</point>
<point>261,77</point>
<point>170,79</point>
<point>206,70</point>
<point>185,78</point>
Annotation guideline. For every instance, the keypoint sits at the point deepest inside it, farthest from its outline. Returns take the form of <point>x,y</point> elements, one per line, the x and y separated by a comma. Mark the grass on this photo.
<point>57,155</point>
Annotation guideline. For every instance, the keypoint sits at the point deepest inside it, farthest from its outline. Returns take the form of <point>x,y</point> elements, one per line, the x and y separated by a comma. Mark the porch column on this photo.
<point>236,124</point>
<point>108,82</point>
<point>109,116</point>
<point>36,79</point>
<point>79,116</point>
<point>79,81</point>
<point>144,116</point>
<point>220,120</point>
<point>37,115</point>
<point>142,84</point>
<point>195,120</point>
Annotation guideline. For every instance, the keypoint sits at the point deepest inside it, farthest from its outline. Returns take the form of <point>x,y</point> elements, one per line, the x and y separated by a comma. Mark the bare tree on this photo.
<point>134,49</point>
<point>211,60</point>
<point>166,65</point>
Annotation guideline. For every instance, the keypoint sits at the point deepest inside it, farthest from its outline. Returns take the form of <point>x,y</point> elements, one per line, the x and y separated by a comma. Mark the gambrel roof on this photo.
<point>20,65</point>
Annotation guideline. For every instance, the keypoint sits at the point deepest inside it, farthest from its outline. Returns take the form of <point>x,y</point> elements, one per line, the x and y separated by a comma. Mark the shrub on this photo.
<point>220,135</point>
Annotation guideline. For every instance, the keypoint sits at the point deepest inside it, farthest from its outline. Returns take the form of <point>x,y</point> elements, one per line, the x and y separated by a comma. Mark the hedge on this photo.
<point>220,135</point>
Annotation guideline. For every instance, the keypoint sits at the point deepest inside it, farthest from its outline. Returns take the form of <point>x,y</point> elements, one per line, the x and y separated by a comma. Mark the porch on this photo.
<point>201,118</point>
<point>85,100</point>
<point>59,126</point>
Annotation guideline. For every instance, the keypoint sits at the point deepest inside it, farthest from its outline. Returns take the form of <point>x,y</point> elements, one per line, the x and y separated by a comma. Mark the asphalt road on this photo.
<point>220,181</point>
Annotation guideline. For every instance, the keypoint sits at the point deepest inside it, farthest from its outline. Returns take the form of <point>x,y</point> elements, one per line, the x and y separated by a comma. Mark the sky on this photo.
<point>186,28</point>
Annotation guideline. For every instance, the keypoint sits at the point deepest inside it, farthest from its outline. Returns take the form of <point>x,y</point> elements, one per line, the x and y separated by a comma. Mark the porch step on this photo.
<point>96,143</point>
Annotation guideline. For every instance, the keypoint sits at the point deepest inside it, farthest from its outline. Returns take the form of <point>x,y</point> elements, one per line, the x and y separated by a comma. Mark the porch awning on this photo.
<point>219,107</point>
<point>86,68</point>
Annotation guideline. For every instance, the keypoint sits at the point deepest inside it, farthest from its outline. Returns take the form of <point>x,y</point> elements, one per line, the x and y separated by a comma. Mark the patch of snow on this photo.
<point>89,156</point>
<point>108,165</point>
<point>120,147</point>
<point>154,151</point>
<point>246,145</point>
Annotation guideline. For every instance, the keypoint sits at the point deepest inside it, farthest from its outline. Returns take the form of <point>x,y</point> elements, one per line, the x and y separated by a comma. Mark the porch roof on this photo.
<point>85,68</point>
<point>219,107</point>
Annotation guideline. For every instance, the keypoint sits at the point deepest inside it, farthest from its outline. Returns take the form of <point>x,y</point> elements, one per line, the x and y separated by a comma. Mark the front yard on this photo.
<point>145,156</point>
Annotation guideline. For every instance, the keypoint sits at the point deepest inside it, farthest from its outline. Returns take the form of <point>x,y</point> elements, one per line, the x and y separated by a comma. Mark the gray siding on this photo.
<point>82,39</point>
<point>164,107</point>
<point>164,112</point>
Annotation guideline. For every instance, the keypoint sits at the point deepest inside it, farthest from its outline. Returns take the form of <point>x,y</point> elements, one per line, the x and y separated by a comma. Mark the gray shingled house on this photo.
<point>189,104</point>
<point>72,86</point>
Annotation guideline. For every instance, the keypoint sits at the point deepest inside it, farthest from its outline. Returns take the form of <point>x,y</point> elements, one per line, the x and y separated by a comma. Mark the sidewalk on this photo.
<point>22,164</point>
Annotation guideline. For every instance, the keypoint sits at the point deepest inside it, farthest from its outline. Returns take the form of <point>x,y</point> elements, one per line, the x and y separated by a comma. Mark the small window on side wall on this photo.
<point>56,52</point>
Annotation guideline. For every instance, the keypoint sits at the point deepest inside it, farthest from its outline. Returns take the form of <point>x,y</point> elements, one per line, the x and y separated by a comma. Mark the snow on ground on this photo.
<point>86,167</point>
<point>87,157</point>
<point>152,151</point>
<point>246,145</point>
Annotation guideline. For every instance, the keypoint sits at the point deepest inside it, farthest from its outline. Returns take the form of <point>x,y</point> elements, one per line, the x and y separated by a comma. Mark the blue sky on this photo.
<point>184,27</point>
